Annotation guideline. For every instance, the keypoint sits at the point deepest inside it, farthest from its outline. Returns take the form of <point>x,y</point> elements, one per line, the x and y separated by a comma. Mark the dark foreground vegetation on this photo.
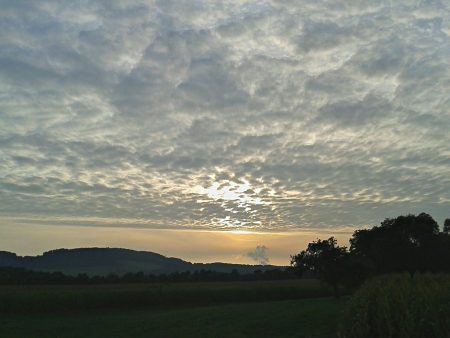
<point>400,306</point>
<point>404,267</point>
<point>398,273</point>
<point>404,244</point>
<point>219,309</point>
<point>308,318</point>
<point>79,298</point>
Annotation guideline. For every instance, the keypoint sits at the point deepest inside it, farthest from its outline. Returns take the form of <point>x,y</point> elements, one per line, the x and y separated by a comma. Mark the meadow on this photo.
<point>306,318</point>
<point>75,298</point>
<point>289,308</point>
<point>398,305</point>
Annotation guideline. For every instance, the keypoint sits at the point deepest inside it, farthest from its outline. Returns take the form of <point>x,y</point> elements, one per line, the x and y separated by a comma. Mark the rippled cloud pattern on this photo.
<point>224,115</point>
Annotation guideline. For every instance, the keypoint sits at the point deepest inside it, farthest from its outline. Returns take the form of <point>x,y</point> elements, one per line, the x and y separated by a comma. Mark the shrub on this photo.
<point>399,306</point>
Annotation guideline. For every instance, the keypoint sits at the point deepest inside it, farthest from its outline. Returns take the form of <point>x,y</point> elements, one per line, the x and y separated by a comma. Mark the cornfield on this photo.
<point>399,306</point>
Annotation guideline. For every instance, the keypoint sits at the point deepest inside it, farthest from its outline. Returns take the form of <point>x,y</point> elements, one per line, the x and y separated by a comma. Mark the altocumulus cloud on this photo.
<point>224,115</point>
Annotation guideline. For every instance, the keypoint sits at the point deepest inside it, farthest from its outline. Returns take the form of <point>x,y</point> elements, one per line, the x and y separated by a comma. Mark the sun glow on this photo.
<point>241,193</point>
<point>239,201</point>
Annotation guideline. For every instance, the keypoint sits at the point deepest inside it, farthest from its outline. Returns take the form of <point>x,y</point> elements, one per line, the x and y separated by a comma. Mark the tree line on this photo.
<point>411,243</point>
<point>20,276</point>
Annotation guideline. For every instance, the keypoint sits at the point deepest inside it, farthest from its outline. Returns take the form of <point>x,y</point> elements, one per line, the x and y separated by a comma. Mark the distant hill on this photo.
<point>103,261</point>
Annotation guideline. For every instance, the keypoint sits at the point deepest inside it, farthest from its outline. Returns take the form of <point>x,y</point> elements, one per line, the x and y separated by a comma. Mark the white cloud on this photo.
<point>259,255</point>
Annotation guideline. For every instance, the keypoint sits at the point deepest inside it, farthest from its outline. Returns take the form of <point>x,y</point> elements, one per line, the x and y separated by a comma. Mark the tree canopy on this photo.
<point>447,226</point>
<point>409,243</point>
<point>323,258</point>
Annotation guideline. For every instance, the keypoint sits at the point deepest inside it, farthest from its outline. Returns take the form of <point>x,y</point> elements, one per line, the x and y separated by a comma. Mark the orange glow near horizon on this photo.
<point>190,245</point>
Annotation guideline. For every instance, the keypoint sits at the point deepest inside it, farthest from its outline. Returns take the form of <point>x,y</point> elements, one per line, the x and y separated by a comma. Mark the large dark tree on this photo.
<point>409,243</point>
<point>323,258</point>
<point>405,243</point>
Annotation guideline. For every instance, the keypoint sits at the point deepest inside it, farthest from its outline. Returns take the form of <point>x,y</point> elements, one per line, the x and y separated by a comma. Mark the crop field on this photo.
<point>296,308</point>
<point>400,306</point>
<point>295,318</point>
<point>75,298</point>
<point>387,306</point>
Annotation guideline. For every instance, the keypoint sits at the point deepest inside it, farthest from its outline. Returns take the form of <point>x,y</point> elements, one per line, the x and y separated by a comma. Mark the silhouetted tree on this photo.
<point>447,226</point>
<point>325,259</point>
<point>405,243</point>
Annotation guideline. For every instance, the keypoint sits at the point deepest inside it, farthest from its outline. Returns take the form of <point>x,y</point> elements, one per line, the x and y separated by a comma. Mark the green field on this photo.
<point>75,298</point>
<point>298,318</point>
<point>296,308</point>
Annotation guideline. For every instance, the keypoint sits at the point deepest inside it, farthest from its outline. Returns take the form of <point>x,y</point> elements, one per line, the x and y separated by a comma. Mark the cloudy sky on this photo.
<point>181,120</point>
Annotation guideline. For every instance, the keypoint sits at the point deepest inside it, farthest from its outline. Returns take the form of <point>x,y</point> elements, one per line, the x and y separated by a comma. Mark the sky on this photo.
<point>219,130</point>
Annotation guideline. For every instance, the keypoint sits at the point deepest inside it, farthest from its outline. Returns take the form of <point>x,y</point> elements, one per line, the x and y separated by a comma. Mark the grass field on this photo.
<point>295,308</point>
<point>76,298</point>
<point>296,318</point>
